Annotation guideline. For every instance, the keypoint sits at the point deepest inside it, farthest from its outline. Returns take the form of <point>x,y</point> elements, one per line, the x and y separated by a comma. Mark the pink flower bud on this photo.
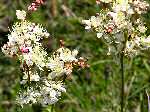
<point>39,1</point>
<point>35,5</point>
<point>109,30</point>
<point>24,50</point>
<point>98,2</point>
<point>32,7</point>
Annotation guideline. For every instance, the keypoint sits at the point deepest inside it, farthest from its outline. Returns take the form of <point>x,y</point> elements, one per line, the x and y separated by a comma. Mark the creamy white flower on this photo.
<point>59,87</point>
<point>113,15</point>
<point>53,93</point>
<point>48,93</point>
<point>21,14</point>
<point>139,6</point>
<point>95,21</point>
<point>33,76</point>
<point>44,87</point>
<point>119,19</point>
<point>142,28</point>
<point>29,96</point>
<point>56,66</point>
<point>145,41</point>
<point>130,11</point>
<point>66,55</point>
<point>39,57</point>
<point>88,23</point>
<point>75,52</point>
<point>99,35</point>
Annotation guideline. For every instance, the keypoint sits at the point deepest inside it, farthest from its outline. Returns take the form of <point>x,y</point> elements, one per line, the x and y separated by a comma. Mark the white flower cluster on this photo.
<point>46,93</point>
<point>24,42</point>
<point>120,24</point>
<point>62,62</point>
<point>43,74</point>
<point>139,6</point>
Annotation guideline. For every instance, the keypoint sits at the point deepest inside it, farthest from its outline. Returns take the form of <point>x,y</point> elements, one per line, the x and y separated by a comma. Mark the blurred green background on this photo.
<point>94,89</point>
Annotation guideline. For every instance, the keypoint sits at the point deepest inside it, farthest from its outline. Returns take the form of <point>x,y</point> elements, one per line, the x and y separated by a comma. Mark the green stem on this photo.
<point>122,80</point>
<point>122,69</point>
<point>52,109</point>
<point>49,108</point>
<point>28,76</point>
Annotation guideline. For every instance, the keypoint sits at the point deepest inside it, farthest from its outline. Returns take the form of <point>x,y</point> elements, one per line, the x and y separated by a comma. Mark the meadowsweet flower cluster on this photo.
<point>24,42</point>
<point>120,25</point>
<point>43,75</point>
<point>47,92</point>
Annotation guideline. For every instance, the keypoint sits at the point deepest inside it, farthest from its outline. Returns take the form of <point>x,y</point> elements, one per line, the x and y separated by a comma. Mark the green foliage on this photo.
<point>95,89</point>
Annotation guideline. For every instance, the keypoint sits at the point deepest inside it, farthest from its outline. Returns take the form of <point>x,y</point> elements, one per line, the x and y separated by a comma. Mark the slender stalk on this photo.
<point>54,8</point>
<point>122,70</point>
<point>52,108</point>
<point>49,108</point>
<point>28,76</point>
<point>122,80</point>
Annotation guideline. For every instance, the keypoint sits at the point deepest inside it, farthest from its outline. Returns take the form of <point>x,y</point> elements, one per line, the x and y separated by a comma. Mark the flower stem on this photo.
<point>54,8</point>
<point>28,76</point>
<point>122,80</point>
<point>52,108</point>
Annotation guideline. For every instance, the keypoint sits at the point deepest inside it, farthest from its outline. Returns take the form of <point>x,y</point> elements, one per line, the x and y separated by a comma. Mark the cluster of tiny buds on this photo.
<point>81,61</point>
<point>110,28</point>
<point>34,5</point>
